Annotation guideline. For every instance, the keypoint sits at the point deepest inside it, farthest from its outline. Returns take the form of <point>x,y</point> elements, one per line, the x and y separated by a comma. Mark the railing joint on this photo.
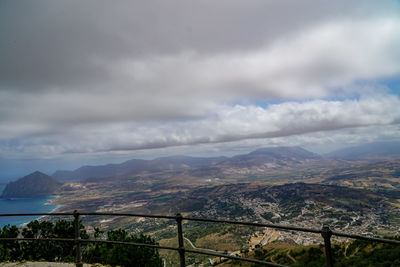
<point>326,234</point>
<point>78,257</point>
<point>181,249</point>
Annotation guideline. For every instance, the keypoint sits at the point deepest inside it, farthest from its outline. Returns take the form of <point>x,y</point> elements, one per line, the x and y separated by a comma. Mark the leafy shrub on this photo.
<point>126,255</point>
<point>113,254</point>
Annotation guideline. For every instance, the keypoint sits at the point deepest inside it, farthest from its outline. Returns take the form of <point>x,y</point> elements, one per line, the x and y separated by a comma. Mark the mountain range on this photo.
<point>371,151</point>
<point>272,162</point>
<point>260,159</point>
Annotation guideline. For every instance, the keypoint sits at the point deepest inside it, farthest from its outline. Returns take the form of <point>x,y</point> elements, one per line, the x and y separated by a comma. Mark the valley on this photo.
<point>288,186</point>
<point>280,186</point>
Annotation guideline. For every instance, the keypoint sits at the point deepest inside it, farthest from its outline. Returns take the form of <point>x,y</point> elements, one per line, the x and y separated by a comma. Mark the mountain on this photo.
<point>136,166</point>
<point>257,161</point>
<point>284,156</point>
<point>108,170</point>
<point>33,185</point>
<point>266,161</point>
<point>179,162</point>
<point>369,151</point>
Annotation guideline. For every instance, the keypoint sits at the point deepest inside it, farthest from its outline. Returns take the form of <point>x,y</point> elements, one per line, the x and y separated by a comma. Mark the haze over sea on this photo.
<point>25,205</point>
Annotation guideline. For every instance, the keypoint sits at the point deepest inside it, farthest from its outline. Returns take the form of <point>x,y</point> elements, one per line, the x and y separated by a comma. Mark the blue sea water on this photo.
<point>25,205</point>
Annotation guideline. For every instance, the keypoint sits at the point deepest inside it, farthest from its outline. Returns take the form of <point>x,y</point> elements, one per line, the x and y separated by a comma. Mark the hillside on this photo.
<point>371,151</point>
<point>33,185</point>
<point>108,170</point>
<point>136,166</point>
<point>356,253</point>
<point>285,185</point>
<point>301,204</point>
<point>253,163</point>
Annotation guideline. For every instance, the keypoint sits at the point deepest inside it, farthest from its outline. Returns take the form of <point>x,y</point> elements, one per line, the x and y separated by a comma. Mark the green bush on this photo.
<point>125,255</point>
<point>112,254</point>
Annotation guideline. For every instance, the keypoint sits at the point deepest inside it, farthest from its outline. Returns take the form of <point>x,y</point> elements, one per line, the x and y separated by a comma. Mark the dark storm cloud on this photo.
<point>53,44</point>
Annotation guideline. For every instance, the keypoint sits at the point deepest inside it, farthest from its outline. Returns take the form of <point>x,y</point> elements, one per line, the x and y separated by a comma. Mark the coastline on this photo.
<point>41,204</point>
<point>49,202</point>
<point>53,201</point>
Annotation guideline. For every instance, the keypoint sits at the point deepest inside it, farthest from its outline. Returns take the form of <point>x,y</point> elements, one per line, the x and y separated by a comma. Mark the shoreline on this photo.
<point>43,204</point>
<point>50,202</point>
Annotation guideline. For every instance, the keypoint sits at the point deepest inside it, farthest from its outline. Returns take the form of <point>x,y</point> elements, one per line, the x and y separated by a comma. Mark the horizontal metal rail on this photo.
<point>37,239</point>
<point>325,232</point>
<point>170,217</point>
<point>367,238</point>
<point>87,241</point>
<point>37,214</point>
<point>89,214</point>
<point>276,226</point>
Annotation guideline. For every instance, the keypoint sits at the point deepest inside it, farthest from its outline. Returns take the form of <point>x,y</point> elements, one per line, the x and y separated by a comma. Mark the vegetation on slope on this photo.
<point>52,251</point>
<point>357,253</point>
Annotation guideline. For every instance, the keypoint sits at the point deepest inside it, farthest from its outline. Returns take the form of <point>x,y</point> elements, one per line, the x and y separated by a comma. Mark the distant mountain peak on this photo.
<point>277,156</point>
<point>36,173</point>
<point>285,151</point>
<point>282,149</point>
<point>372,151</point>
<point>33,185</point>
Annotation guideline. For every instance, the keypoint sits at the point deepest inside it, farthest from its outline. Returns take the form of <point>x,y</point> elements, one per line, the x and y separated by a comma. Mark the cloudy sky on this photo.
<point>98,81</point>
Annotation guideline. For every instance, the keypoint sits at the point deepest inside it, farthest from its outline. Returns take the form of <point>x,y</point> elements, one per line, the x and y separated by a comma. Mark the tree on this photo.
<point>50,250</point>
<point>125,255</point>
<point>105,253</point>
<point>9,250</point>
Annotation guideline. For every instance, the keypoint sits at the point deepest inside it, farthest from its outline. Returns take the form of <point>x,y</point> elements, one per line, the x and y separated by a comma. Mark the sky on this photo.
<point>91,82</point>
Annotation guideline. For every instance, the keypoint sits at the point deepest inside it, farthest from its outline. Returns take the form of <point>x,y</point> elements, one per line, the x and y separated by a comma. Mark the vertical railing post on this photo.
<point>78,257</point>
<point>326,234</point>
<point>180,240</point>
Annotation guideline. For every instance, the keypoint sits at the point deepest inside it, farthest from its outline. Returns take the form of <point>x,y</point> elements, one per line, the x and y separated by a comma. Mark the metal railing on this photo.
<point>325,232</point>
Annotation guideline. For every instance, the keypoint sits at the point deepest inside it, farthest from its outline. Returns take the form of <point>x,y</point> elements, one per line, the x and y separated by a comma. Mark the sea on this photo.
<point>24,205</point>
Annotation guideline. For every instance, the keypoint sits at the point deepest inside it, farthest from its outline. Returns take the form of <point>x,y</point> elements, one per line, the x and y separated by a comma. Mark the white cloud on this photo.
<point>228,123</point>
<point>318,62</point>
